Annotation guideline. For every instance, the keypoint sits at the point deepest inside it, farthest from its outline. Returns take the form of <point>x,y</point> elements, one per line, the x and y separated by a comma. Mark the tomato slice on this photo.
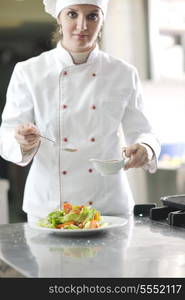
<point>62,225</point>
<point>67,207</point>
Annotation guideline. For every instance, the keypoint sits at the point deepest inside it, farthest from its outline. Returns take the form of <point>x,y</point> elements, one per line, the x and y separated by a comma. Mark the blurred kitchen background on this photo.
<point>149,34</point>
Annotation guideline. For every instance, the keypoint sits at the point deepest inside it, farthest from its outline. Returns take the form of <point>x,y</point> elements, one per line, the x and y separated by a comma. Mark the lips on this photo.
<point>81,36</point>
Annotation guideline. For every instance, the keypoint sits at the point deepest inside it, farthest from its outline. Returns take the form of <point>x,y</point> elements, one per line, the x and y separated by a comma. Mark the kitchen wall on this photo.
<point>134,27</point>
<point>126,33</point>
<point>15,12</point>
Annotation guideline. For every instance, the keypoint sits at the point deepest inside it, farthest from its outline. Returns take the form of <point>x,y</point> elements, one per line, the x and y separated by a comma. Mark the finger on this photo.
<point>27,139</point>
<point>137,160</point>
<point>139,157</point>
<point>28,131</point>
<point>32,128</point>
<point>128,164</point>
<point>31,141</point>
<point>140,163</point>
<point>31,136</point>
<point>20,138</point>
<point>30,145</point>
<point>25,129</point>
<point>124,153</point>
<point>29,126</point>
<point>129,151</point>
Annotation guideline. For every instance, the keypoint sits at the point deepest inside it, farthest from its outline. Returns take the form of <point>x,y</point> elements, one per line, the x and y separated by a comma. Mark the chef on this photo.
<point>77,96</point>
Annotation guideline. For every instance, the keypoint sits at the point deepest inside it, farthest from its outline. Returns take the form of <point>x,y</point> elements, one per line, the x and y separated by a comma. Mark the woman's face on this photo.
<point>80,26</point>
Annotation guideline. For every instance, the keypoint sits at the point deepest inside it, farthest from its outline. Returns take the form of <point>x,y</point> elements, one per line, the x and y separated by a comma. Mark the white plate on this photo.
<point>113,223</point>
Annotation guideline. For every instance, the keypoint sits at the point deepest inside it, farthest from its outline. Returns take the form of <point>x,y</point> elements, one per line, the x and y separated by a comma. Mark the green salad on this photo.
<point>73,217</point>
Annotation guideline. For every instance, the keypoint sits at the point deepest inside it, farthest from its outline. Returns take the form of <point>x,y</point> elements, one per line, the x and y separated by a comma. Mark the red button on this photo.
<point>64,106</point>
<point>64,172</point>
<point>65,140</point>
<point>94,107</point>
<point>93,140</point>
<point>90,170</point>
<point>94,74</point>
<point>65,73</point>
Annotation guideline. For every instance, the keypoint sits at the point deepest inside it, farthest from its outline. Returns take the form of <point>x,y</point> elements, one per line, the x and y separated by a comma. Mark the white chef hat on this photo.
<point>54,7</point>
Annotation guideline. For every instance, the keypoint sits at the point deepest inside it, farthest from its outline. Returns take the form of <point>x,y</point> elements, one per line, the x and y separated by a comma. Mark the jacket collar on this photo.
<point>66,58</point>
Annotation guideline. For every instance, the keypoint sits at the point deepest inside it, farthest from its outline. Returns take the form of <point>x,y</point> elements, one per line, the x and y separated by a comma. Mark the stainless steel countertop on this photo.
<point>141,248</point>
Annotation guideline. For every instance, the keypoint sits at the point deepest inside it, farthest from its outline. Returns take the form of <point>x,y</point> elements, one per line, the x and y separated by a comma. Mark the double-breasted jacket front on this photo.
<point>80,105</point>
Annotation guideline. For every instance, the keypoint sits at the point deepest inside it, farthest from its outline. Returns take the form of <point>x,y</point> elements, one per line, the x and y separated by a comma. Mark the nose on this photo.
<point>81,24</point>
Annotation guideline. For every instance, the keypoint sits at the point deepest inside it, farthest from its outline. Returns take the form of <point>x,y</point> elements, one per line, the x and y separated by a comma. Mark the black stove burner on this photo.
<point>173,210</point>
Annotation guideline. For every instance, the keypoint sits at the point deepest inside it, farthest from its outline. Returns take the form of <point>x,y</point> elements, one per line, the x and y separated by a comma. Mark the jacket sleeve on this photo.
<point>136,125</point>
<point>18,110</point>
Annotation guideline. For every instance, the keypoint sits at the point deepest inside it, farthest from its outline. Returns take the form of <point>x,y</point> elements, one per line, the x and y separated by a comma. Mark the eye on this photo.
<point>72,14</point>
<point>93,16</point>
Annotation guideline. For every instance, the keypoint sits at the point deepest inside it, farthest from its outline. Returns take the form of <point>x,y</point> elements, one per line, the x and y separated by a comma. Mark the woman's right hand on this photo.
<point>27,135</point>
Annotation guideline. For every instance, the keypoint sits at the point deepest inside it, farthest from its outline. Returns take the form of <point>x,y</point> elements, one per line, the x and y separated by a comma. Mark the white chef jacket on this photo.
<point>81,105</point>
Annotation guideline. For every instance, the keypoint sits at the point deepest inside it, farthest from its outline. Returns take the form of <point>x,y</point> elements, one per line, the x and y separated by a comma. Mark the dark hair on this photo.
<point>56,36</point>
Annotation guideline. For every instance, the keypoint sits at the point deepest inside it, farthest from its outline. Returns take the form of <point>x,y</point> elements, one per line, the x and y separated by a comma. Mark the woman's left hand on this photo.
<point>138,156</point>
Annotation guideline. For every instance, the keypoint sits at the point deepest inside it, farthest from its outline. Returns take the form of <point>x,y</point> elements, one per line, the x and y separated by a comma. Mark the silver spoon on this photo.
<point>44,137</point>
<point>69,149</point>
